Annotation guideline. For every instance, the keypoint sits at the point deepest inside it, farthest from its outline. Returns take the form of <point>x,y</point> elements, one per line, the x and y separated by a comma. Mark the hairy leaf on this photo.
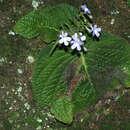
<point>47,79</point>
<point>63,109</point>
<point>83,96</point>
<point>50,18</point>
<point>104,59</point>
<point>27,26</point>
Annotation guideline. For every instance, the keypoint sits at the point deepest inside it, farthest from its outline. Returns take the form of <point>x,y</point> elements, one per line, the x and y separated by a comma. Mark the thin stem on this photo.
<point>53,48</point>
<point>86,68</point>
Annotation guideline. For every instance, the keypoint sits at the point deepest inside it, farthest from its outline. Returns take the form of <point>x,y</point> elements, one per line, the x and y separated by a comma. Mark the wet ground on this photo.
<point>18,110</point>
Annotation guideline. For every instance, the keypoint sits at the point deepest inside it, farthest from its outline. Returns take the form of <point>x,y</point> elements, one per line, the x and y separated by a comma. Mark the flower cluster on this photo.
<point>77,39</point>
<point>95,31</point>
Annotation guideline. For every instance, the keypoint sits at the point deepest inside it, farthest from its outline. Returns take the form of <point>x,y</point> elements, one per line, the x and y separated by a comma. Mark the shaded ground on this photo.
<point>18,110</point>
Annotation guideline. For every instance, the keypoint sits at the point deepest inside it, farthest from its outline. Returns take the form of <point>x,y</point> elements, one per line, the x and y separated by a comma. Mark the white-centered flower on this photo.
<point>65,39</point>
<point>85,9</point>
<point>77,41</point>
<point>95,30</point>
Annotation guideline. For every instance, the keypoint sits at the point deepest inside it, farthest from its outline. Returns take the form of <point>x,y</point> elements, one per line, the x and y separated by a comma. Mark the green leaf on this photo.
<point>83,96</point>
<point>104,59</point>
<point>63,110</point>
<point>50,19</point>
<point>47,80</point>
<point>27,26</point>
<point>47,35</point>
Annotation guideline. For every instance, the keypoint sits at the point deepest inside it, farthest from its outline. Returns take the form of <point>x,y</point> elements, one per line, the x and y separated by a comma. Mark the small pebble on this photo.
<point>27,106</point>
<point>46,118</point>
<point>47,126</point>
<point>39,120</point>
<point>7,93</point>
<point>14,101</point>
<point>10,121</point>
<point>39,128</point>
<point>15,93</point>
<point>30,59</point>
<point>112,21</point>
<point>81,120</point>
<point>19,71</point>
<point>33,111</point>
<point>10,108</point>
<point>11,33</point>
<point>50,115</point>
<point>115,12</point>
<point>35,4</point>
<point>3,59</point>
<point>19,89</point>
<point>13,89</point>
<point>116,98</point>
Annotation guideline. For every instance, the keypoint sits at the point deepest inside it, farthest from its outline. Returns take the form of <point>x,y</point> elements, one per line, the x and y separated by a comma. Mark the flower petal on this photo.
<point>61,41</point>
<point>73,46</point>
<point>97,34</point>
<point>91,27</point>
<point>80,34</point>
<point>60,36</point>
<point>68,38</point>
<point>89,12</point>
<point>78,48</point>
<point>95,26</point>
<point>75,37</point>
<point>84,6</point>
<point>80,43</point>
<point>65,34</point>
<point>83,38</point>
<point>66,43</point>
<point>93,33</point>
<point>98,29</point>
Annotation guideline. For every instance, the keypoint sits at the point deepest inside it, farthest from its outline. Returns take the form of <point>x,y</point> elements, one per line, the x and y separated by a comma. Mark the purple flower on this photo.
<point>85,9</point>
<point>95,30</point>
<point>64,39</point>
<point>77,42</point>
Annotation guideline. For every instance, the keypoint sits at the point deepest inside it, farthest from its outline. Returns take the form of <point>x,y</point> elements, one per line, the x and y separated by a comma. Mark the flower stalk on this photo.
<point>86,68</point>
<point>53,48</point>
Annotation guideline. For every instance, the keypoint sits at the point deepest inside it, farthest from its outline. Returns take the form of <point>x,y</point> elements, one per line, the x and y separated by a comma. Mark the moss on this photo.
<point>7,125</point>
<point>118,118</point>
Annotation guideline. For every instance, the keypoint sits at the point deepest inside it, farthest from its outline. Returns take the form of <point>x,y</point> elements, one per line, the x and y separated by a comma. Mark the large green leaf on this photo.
<point>63,109</point>
<point>83,96</point>
<point>27,25</point>
<point>104,59</point>
<point>47,80</point>
<point>50,18</point>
